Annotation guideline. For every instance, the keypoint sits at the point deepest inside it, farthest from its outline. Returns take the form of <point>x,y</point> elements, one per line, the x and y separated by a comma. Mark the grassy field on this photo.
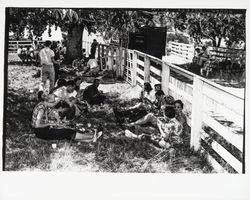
<point>24,152</point>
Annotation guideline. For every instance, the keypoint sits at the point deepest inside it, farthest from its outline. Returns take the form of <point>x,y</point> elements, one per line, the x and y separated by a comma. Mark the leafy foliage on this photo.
<point>211,25</point>
<point>177,37</point>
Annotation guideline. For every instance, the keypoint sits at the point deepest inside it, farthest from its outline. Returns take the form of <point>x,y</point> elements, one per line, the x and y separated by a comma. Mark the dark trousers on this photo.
<point>96,100</point>
<point>54,134</point>
<point>56,67</point>
<point>69,113</point>
<point>132,114</point>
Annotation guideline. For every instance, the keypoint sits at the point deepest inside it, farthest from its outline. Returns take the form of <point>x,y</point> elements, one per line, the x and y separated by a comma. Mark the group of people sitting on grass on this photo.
<point>60,101</point>
<point>30,54</point>
<point>54,113</point>
<point>159,111</point>
<point>87,65</point>
<point>66,101</point>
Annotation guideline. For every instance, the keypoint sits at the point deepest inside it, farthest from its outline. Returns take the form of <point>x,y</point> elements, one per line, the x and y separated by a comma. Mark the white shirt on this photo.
<point>45,56</point>
<point>92,63</point>
<point>19,51</point>
<point>150,96</point>
<point>62,93</point>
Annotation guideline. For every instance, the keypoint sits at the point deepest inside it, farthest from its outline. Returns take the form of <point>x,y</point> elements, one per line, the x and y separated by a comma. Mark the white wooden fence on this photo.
<point>184,51</point>
<point>180,53</point>
<point>14,45</point>
<point>215,115</point>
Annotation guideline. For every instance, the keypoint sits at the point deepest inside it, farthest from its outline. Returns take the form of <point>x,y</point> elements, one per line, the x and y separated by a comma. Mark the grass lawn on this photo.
<point>25,152</point>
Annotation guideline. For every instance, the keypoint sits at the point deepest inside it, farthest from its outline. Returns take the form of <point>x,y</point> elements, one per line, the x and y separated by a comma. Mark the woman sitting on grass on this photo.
<point>48,126</point>
<point>145,105</point>
<point>180,116</point>
<point>162,101</point>
<point>67,99</point>
<point>170,129</point>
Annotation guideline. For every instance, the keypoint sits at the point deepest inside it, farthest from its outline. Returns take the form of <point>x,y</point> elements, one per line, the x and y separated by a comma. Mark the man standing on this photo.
<point>93,49</point>
<point>47,60</point>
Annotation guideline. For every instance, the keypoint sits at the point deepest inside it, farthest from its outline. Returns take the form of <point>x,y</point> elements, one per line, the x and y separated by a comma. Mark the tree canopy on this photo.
<point>104,20</point>
<point>199,24</point>
<point>211,25</point>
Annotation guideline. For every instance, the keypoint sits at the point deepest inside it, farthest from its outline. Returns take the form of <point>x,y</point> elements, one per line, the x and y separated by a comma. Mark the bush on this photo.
<point>177,37</point>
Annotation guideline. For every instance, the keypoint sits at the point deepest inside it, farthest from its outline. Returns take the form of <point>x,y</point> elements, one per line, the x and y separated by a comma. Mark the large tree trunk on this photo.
<point>74,42</point>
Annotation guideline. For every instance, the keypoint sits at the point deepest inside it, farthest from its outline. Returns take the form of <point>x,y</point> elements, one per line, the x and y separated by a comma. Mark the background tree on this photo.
<point>214,25</point>
<point>73,21</point>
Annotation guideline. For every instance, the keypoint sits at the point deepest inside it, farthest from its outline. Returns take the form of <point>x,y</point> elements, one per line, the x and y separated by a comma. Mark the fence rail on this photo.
<point>14,45</point>
<point>215,115</point>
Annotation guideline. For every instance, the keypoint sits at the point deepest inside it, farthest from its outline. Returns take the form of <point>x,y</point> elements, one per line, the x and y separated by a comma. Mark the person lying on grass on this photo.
<point>47,124</point>
<point>170,129</point>
<point>139,110</point>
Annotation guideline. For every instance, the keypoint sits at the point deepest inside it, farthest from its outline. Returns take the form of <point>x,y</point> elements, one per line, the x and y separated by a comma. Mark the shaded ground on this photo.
<point>24,152</point>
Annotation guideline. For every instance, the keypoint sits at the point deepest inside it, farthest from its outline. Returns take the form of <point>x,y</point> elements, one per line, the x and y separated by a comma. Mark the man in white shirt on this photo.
<point>67,95</point>
<point>47,60</point>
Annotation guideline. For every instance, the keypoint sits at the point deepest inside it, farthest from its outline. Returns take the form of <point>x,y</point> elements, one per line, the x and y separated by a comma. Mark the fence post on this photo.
<point>109,58</point>
<point>122,60</point>
<point>17,46</point>
<point>112,59</point>
<point>119,61</point>
<point>146,69</point>
<point>106,56</point>
<point>117,66</point>
<point>197,109</point>
<point>165,75</point>
<point>99,52</point>
<point>102,55</point>
<point>133,73</point>
<point>87,49</point>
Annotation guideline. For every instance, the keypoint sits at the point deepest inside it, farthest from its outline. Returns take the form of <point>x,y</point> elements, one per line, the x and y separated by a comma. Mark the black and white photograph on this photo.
<point>124,90</point>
